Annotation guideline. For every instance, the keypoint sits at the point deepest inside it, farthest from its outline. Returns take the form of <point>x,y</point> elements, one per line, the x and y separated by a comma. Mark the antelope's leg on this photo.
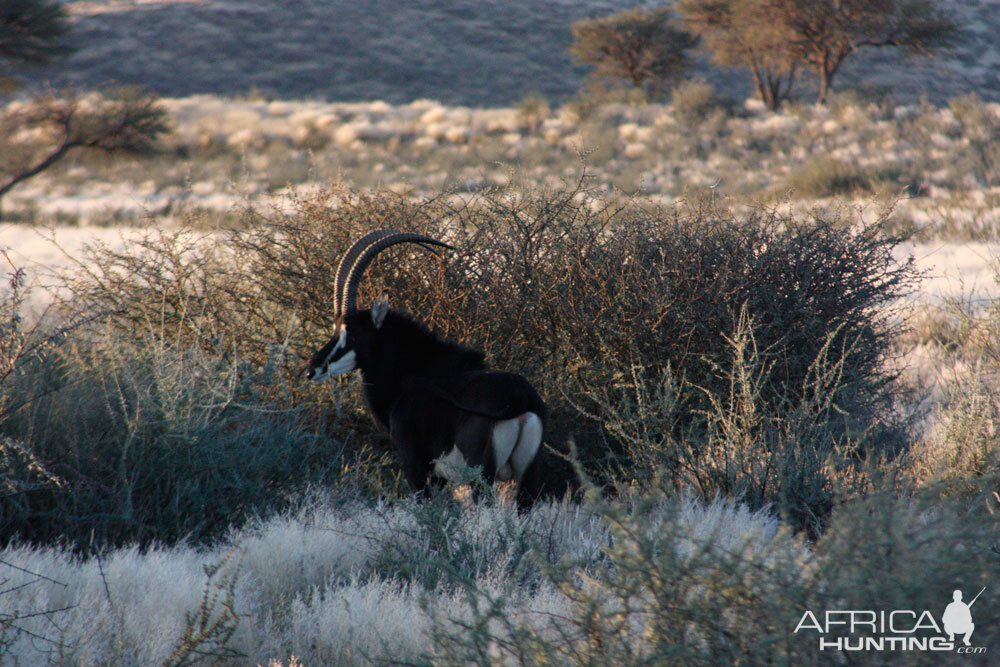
<point>410,435</point>
<point>528,487</point>
<point>418,475</point>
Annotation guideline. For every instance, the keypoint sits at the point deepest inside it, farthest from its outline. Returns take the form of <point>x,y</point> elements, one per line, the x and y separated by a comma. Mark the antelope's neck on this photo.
<point>380,396</point>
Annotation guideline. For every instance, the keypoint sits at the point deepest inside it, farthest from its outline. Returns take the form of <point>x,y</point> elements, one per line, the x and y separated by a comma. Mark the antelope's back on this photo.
<point>506,395</point>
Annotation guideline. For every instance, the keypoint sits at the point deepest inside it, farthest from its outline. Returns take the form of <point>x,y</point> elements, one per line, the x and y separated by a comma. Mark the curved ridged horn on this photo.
<point>347,261</point>
<point>374,247</point>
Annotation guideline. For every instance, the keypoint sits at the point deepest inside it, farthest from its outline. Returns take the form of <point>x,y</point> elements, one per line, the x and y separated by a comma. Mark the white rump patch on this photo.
<point>505,434</point>
<point>515,444</point>
<point>527,445</point>
<point>448,465</point>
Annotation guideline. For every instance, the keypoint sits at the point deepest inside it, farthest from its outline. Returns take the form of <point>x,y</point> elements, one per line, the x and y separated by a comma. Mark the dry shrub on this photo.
<point>594,95</point>
<point>794,452</point>
<point>693,100</point>
<point>632,580</point>
<point>574,290</point>
<point>532,111</point>
<point>979,154</point>
<point>825,176</point>
<point>961,456</point>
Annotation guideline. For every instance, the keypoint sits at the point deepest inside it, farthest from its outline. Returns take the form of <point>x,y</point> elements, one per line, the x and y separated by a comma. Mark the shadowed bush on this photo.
<point>795,452</point>
<point>145,439</point>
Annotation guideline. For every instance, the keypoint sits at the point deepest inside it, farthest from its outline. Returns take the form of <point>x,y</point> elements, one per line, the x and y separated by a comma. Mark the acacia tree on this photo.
<point>823,33</point>
<point>781,35</point>
<point>35,135</point>
<point>739,32</point>
<point>642,46</point>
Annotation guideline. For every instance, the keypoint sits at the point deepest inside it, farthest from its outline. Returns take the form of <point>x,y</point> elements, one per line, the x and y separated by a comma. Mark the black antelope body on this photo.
<point>438,399</point>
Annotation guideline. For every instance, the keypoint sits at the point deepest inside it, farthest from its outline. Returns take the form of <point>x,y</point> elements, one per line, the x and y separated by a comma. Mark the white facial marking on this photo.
<point>345,364</point>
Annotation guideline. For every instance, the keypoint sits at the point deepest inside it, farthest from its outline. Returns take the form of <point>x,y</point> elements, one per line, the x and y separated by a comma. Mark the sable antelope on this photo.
<point>438,399</point>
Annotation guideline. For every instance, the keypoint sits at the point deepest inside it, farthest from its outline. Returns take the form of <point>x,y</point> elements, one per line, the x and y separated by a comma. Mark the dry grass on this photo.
<point>345,581</point>
<point>335,580</point>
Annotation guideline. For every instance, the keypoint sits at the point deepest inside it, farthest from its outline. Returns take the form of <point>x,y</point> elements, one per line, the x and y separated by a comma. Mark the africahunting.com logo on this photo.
<point>896,630</point>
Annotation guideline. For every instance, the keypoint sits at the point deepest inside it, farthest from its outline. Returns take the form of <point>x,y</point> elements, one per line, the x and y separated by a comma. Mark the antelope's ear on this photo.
<point>379,310</point>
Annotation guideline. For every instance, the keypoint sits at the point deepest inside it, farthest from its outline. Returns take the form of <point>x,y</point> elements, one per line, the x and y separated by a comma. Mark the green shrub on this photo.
<point>154,440</point>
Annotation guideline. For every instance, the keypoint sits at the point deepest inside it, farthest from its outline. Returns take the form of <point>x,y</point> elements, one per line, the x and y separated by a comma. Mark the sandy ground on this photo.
<point>953,270</point>
<point>44,254</point>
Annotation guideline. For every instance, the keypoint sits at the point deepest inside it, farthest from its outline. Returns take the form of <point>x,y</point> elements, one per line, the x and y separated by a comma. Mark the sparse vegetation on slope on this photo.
<point>361,54</point>
<point>222,152</point>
